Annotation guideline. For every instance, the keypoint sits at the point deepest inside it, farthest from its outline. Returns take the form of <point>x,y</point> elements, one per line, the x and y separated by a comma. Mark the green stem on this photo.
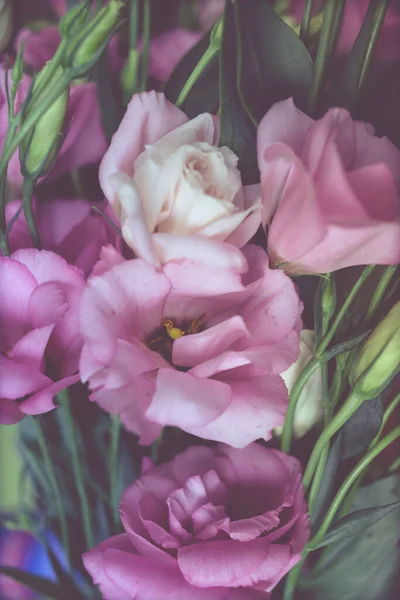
<point>114,487</point>
<point>348,482</point>
<point>146,43</point>
<point>316,482</point>
<point>50,473</point>
<point>377,22</point>
<point>77,469</point>
<point>381,289</point>
<point>395,465</point>
<point>27,201</point>
<point>291,580</point>
<point>348,408</point>
<point>343,310</point>
<point>203,63</point>
<point>294,397</point>
<point>326,42</point>
<point>306,21</point>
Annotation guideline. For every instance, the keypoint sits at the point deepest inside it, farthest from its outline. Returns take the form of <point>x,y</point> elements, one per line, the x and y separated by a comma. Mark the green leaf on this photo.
<point>325,491</point>
<point>204,96</point>
<point>346,346</point>
<point>355,523</point>
<point>238,132</point>
<point>363,566</point>
<point>34,582</point>
<point>276,64</point>
<point>361,428</point>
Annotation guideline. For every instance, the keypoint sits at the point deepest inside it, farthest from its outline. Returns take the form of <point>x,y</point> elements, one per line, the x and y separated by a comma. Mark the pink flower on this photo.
<point>167,49</point>
<point>193,346</point>
<point>213,524</point>
<point>68,227</point>
<point>208,12</point>
<point>39,333</point>
<point>173,189</point>
<point>330,191</point>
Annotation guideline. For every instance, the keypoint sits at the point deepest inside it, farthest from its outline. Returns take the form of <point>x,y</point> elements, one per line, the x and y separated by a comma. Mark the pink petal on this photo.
<point>184,401</point>
<point>29,350</point>
<point>249,226</point>
<point>233,563</point>
<point>149,117</point>
<point>10,412</point>
<point>47,266</point>
<point>167,49</point>
<point>43,401</point>
<point>17,380</point>
<point>200,250</point>
<point>47,304</point>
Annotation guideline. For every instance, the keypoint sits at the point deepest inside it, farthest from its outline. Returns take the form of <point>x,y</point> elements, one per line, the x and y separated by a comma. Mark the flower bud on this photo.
<point>91,39</point>
<point>309,407</point>
<point>6,23</point>
<point>325,304</point>
<point>74,20</point>
<point>38,149</point>
<point>379,359</point>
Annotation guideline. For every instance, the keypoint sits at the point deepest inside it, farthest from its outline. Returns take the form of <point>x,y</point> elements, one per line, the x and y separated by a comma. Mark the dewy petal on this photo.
<point>149,117</point>
<point>184,401</point>
<point>200,250</point>
<point>233,563</point>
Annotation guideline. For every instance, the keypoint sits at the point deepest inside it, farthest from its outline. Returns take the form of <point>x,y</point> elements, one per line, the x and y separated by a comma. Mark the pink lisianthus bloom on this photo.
<point>66,226</point>
<point>213,524</point>
<point>330,191</point>
<point>40,342</point>
<point>191,345</point>
<point>173,189</point>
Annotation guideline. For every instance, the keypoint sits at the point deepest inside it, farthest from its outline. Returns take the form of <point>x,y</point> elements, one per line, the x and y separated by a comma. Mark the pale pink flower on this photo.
<point>40,342</point>
<point>173,189</point>
<point>330,191</point>
<point>213,524</point>
<point>67,226</point>
<point>193,346</point>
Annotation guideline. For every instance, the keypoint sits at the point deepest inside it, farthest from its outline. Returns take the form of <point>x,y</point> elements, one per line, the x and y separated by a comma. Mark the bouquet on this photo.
<point>199,299</point>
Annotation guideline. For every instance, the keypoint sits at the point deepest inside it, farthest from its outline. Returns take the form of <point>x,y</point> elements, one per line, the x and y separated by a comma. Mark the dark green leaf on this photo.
<point>355,523</point>
<point>325,491</point>
<point>365,566</point>
<point>275,63</point>
<point>34,582</point>
<point>237,130</point>
<point>204,96</point>
<point>359,431</point>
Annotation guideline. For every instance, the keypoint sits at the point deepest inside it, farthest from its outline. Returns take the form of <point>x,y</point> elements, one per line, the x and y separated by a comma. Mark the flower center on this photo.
<point>162,338</point>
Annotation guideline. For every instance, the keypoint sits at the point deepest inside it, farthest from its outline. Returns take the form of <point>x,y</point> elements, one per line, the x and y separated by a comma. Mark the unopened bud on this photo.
<point>309,409</point>
<point>39,147</point>
<point>91,39</point>
<point>6,23</point>
<point>217,33</point>
<point>74,20</point>
<point>325,304</point>
<point>379,359</point>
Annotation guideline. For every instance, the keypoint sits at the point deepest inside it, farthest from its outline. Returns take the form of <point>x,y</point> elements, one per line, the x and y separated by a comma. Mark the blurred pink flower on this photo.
<point>174,191</point>
<point>213,524</point>
<point>66,226</point>
<point>330,191</point>
<point>208,12</point>
<point>167,49</point>
<point>193,346</point>
<point>39,334</point>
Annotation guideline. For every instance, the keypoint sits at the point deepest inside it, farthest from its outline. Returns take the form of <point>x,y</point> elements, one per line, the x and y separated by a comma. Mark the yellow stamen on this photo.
<point>173,332</point>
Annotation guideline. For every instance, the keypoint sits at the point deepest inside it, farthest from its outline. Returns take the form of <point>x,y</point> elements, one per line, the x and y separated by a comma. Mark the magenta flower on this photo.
<point>193,346</point>
<point>40,342</point>
<point>330,191</point>
<point>68,227</point>
<point>213,524</point>
<point>176,193</point>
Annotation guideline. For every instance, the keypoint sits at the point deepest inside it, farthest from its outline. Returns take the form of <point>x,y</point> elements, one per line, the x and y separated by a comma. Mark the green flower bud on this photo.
<point>325,304</point>
<point>38,150</point>
<point>379,359</point>
<point>73,20</point>
<point>90,41</point>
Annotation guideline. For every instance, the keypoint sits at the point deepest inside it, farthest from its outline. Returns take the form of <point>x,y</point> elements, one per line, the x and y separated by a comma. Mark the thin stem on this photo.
<point>325,45</point>
<point>343,310</point>
<point>348,482</point>
<point>114,488</point>
<point>347,409</point>
<point>203,63</point>
<point>306,20</point>
<point>50,472</point>
<point>146,43</point>
<point>291,580</point>
<point>77,469</point>
<point>295,394</point>
<point>133,23</point>
<point>377,22</point>
<point>316,483</point>
<point>395,465</point>
<point>27,202</point>
<point>381,289</point>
